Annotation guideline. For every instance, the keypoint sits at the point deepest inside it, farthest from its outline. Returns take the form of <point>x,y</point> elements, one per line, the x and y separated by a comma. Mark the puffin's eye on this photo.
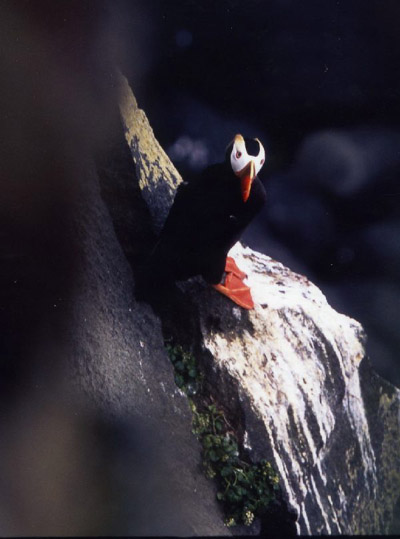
<point>238,154</point>
<point>262,161</point>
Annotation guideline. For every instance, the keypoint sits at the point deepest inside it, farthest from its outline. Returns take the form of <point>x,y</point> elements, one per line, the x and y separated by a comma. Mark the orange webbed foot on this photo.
<point>231,267</point>
<point>236,290</point>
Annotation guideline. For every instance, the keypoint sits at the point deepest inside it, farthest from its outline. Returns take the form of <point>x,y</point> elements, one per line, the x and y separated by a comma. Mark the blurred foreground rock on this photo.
<point>121,364</point>
<point>295,372</point>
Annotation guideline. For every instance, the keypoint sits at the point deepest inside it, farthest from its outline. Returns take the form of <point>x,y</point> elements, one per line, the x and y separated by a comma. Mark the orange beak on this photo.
<point>247,175</point>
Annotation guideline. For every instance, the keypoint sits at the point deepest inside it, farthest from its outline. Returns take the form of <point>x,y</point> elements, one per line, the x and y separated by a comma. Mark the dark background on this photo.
<point>318,82</point>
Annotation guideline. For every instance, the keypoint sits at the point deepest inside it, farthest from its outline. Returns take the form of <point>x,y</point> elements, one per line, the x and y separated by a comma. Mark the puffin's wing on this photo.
<point>192,207</point>
<point>173,250</point>
<point>179,210</point>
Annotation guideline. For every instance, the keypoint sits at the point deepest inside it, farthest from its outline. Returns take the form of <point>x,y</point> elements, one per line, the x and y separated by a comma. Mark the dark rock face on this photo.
<point>121,364</point>
<point>100,423</point>
<point>382,408</point>
<point>95,438</point>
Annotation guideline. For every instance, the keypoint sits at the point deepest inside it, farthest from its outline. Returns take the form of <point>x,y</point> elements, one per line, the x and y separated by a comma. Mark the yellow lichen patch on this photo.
<point>155,166</point>
<point>376,514</point>
<point>388,406</point>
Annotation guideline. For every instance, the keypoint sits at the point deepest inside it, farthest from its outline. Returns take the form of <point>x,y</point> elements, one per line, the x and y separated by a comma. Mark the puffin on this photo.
<point>208,216</point>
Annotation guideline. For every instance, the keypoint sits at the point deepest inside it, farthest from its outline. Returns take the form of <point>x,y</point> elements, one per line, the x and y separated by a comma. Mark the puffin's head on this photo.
<point>246,157</point>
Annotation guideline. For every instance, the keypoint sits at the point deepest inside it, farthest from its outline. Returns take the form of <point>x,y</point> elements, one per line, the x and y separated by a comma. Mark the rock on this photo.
<point>296,365</point>
<point>158,178</point>
<point>95,438</point>
<point>121,365</point>
<point>294,375</point>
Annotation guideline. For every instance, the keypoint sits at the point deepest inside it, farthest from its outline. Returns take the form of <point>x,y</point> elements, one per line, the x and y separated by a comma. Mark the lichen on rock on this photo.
<point>157,177</point>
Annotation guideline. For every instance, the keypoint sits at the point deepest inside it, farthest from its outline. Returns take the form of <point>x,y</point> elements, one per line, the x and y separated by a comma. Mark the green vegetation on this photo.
<point>244,489</point>
<point>187,376</point>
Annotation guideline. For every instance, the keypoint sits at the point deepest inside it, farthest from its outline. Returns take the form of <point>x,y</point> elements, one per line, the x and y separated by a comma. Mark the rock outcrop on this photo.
<point>295,372</point>
<point>157,177</point>
<point>121,366</point>
<point>306,402</point>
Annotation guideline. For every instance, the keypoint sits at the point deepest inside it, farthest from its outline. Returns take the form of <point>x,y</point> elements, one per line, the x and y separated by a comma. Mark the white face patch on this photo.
<point>240,157</point>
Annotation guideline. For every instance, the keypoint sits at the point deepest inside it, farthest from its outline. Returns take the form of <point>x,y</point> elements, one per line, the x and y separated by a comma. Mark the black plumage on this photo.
<point>207,218</point>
